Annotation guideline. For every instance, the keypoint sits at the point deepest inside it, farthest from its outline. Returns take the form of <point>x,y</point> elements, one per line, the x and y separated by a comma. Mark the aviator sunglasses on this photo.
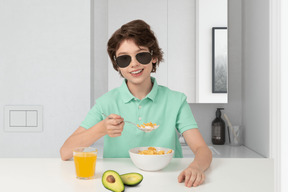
<point>143,57</point>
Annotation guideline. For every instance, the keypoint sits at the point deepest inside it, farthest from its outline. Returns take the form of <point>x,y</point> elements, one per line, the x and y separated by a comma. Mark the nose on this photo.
<point>134,62</point>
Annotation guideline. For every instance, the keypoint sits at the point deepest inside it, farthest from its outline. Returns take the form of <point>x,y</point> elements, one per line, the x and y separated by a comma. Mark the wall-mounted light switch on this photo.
<point>32,118</point>
<point>17,118</point>
<point>23,118</point>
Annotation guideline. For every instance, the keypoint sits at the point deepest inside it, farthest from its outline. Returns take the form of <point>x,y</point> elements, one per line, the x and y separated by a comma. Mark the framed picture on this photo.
<point>219,60</point>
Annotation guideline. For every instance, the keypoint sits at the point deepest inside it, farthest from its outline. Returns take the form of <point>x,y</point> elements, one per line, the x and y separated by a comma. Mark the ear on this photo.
<point>154,60</point>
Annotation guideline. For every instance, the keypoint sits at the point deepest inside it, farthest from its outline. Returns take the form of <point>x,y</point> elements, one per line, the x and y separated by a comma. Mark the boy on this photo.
<point>135,54</point>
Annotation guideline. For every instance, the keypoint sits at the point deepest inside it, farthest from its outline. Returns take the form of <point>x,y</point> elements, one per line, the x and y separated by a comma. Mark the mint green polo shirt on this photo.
<point>162,106</point>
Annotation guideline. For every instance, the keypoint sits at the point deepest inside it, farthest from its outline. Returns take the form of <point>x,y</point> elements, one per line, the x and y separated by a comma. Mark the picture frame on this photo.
<point>219,60</point>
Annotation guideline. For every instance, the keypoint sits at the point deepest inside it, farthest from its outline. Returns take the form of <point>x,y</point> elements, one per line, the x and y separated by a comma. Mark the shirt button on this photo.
<point>139,106</point>
<point>140,118</point>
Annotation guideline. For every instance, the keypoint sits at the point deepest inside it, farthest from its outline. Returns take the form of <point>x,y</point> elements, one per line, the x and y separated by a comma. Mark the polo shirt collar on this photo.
<point>153,93</point>
<point>127,96</point>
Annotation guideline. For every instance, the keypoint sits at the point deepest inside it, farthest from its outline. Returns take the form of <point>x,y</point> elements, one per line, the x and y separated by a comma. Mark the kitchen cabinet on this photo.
<point>174,25</point>
<point>184,32</point>
<point>209,14</point>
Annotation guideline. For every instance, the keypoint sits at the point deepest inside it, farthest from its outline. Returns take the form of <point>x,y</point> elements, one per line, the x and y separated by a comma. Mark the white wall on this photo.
<point>50,56</point>
<point>44,60</point>
<point>256,75</point>
<point>100,56</point>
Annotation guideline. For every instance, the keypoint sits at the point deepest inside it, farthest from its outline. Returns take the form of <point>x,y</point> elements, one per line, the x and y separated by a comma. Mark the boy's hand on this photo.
<point>192,175</point>
<point>114,125</point>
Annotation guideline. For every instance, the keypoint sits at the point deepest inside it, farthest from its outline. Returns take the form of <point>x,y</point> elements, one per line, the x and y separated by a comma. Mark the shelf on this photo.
<point>218,151</point>
<point>225,151</point>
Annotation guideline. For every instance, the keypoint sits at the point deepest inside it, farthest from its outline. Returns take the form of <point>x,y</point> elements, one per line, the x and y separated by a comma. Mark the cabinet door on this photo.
<point>181,47</point>
<point>210,13</point>
<point>151,11</point>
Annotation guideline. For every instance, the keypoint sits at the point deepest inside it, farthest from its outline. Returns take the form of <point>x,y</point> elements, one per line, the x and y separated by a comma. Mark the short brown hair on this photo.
<point>140,32</point>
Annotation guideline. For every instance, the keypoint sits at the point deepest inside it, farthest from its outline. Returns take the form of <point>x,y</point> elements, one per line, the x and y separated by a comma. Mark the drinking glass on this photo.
<point>235,134</point>
<point>85,162</point>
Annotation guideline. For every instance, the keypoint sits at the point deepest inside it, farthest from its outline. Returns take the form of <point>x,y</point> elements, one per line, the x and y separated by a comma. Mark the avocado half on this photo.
<point>131,179</point>
<point>111,180</point>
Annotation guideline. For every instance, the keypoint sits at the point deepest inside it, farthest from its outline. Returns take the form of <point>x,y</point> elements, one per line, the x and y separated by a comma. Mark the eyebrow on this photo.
<point>140,49</point>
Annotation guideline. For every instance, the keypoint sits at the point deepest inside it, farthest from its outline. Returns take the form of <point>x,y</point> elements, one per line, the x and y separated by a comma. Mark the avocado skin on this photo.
<point>119,188</point>
<point>131,179</point>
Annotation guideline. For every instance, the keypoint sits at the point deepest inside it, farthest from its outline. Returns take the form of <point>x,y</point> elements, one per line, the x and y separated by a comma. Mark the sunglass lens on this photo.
<point>123,61</point>
<point>144,58</point>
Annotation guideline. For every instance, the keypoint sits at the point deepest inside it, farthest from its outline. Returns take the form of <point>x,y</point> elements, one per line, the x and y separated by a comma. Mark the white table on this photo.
<point>53,174</point>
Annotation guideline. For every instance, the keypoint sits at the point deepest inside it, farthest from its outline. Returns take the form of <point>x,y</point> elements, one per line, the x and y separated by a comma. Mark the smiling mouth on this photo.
<point>137,72</point>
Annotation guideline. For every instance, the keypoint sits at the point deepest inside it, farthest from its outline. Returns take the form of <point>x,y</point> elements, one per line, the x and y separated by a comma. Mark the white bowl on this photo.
<point>150,162</point>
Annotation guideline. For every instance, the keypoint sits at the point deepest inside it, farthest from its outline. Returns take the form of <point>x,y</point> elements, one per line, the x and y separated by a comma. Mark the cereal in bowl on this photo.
<point>153,151</point>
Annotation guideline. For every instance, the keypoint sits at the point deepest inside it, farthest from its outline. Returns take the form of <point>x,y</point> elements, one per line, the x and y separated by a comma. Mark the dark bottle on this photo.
<point>218,129</point>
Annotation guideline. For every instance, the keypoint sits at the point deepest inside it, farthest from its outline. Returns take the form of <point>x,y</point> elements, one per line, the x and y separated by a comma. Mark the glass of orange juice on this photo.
<point>85,162</point>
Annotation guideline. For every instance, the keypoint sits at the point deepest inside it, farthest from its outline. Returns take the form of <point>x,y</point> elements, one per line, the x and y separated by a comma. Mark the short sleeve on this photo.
<point>185,119</point>
<point>93,117</point>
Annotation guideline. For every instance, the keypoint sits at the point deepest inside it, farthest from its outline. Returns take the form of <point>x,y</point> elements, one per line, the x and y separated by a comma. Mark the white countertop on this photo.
<point>53,174</point>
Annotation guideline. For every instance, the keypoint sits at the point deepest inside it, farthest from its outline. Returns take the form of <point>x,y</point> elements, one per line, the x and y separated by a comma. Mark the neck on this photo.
<point>140,90</point>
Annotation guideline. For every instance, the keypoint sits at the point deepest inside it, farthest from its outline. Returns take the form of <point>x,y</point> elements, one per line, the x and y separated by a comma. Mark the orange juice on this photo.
<point>85,163</point>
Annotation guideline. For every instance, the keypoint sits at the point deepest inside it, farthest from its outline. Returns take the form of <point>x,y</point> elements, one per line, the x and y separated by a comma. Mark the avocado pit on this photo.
<point>110,179</point>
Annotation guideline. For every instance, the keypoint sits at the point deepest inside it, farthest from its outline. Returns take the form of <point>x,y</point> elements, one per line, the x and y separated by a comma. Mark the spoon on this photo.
<point>145,129</point>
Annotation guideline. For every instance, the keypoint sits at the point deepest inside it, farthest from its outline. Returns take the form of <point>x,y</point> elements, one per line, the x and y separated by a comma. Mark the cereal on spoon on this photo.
<point>148,125</point>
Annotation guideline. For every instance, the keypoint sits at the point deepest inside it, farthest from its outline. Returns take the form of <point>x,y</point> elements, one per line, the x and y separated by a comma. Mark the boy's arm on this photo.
<point>80,138</point>
<point>85,137</point>
<point>193,175</point>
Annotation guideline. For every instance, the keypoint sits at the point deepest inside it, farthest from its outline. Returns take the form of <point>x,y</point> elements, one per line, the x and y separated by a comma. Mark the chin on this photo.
<point>136,81</point>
